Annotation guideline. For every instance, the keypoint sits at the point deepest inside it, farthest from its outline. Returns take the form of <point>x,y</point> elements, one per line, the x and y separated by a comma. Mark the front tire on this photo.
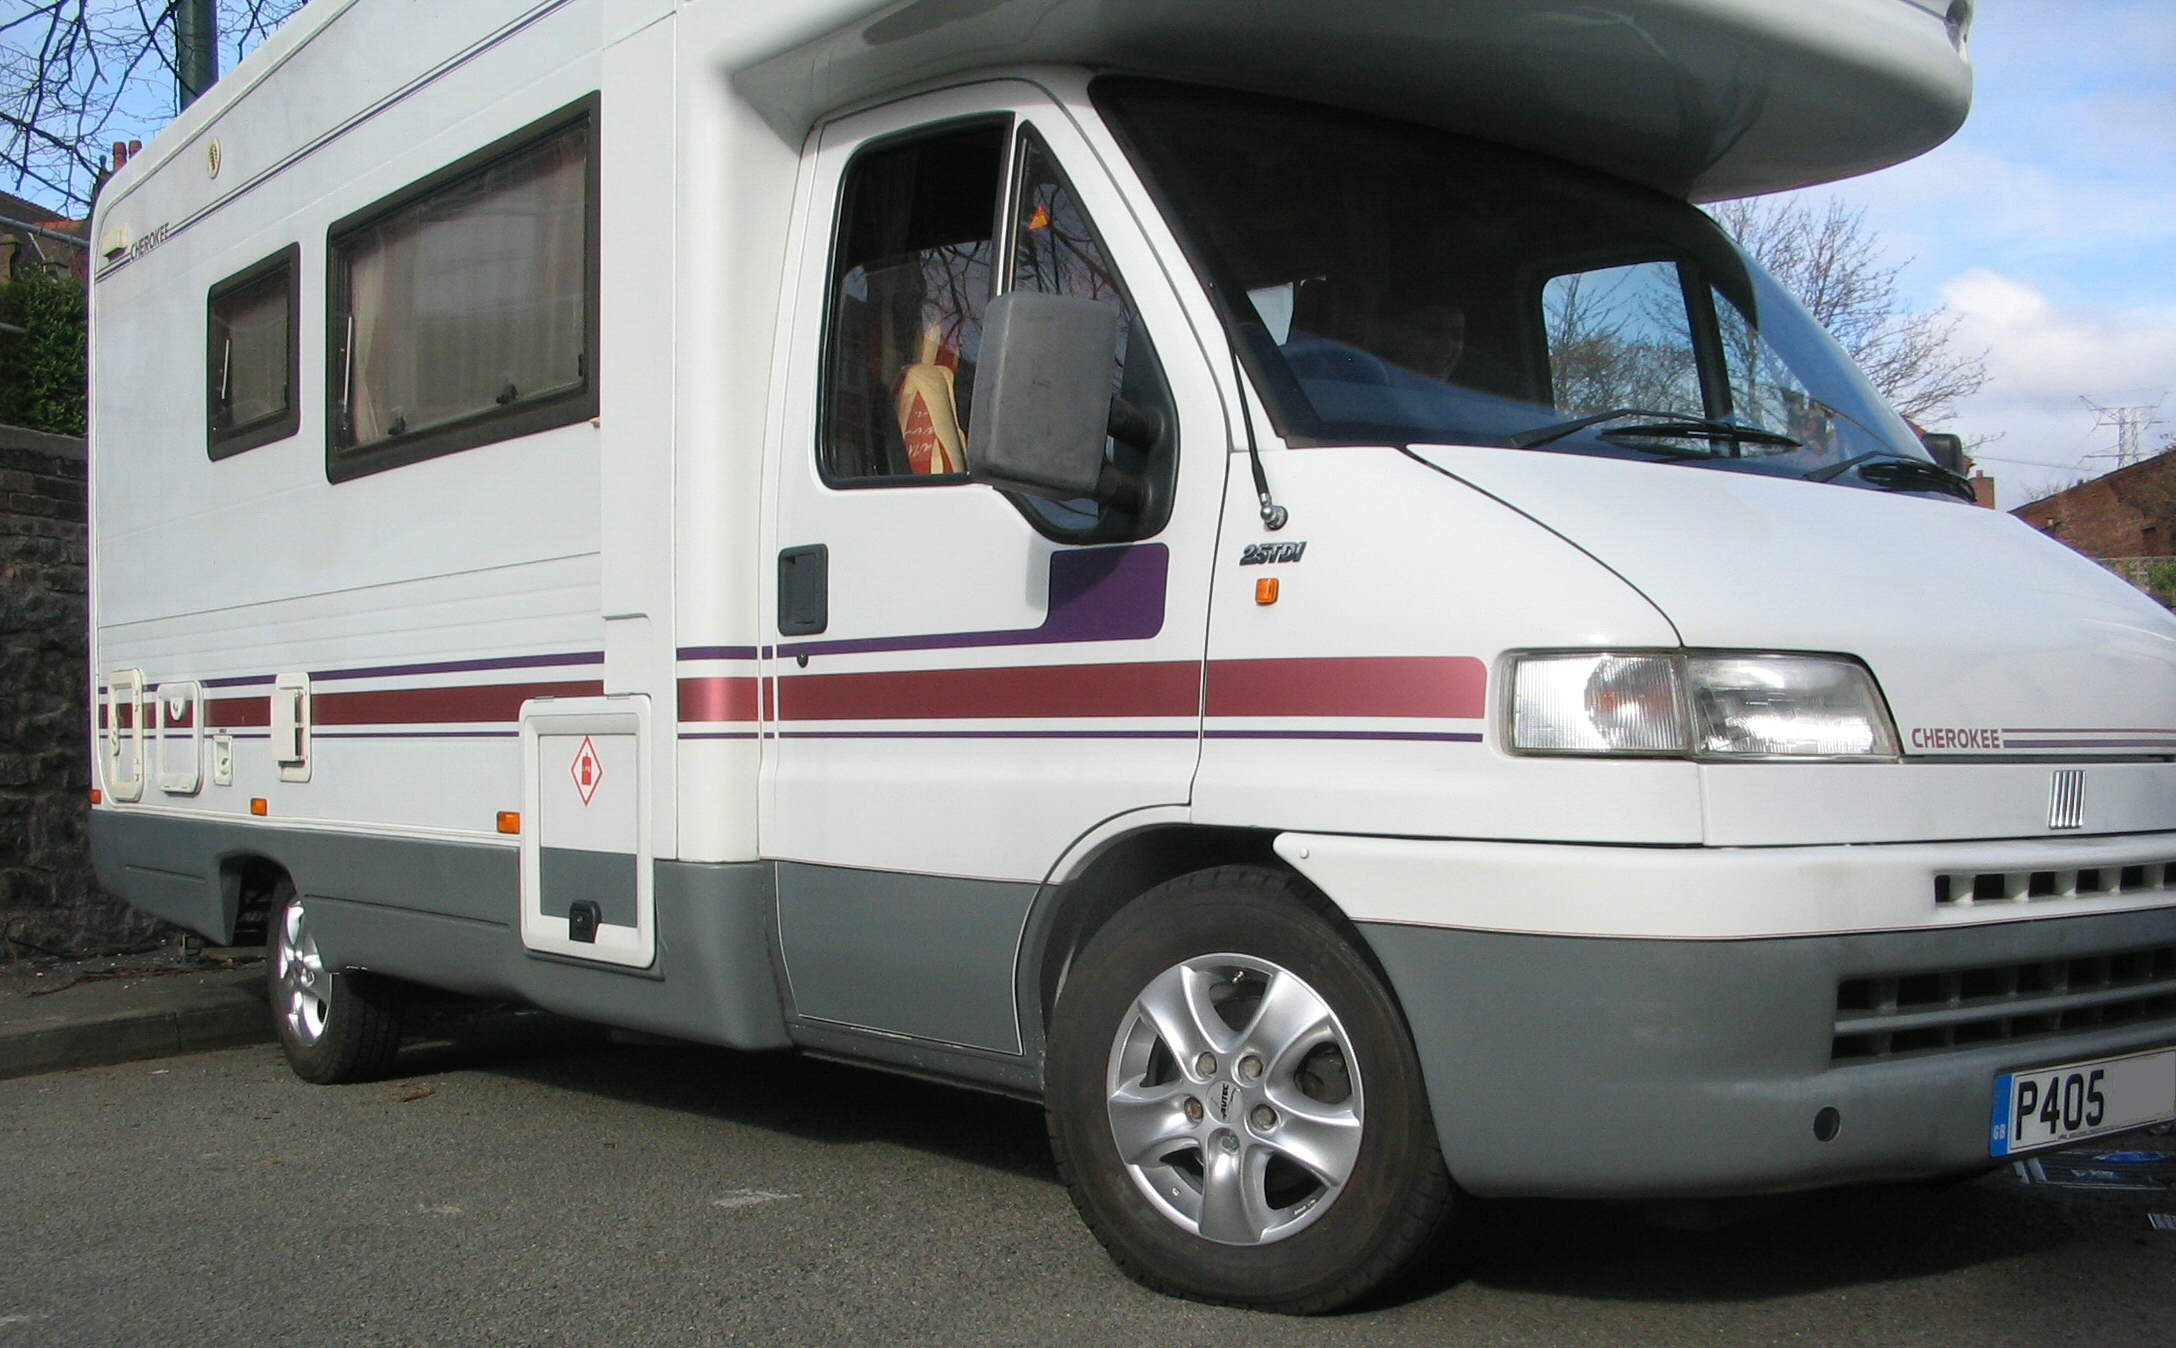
<point>1235,1102</point>
<point>334,1027</point>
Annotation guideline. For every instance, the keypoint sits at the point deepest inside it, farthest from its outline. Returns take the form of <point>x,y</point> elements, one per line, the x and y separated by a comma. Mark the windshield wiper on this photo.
<point>1666,424</point>
<point>1891,471</point>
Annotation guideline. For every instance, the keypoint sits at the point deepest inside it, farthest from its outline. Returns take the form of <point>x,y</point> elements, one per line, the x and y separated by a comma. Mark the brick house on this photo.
<point>22,247</point>
<point>2126,519</point>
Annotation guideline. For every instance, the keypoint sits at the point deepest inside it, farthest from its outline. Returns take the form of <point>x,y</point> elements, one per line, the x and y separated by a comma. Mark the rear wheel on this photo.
<point>334,1027</point>
<point>1235,1102</point>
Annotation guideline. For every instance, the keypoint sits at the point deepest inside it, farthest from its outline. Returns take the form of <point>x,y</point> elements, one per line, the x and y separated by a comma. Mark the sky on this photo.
<point>2048,226</point>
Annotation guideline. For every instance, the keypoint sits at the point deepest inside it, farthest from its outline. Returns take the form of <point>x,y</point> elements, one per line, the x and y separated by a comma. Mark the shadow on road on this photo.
<point>1833,1240</point>
<point>813,1100</point>
<point>1812,1243</point>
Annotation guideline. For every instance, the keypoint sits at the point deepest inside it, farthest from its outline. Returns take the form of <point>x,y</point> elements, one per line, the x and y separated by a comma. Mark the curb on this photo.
<point>209,1018</point>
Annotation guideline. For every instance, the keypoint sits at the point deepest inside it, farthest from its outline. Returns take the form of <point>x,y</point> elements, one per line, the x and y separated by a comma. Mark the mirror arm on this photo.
<point>1130,425</point>
<point>1121,489</point>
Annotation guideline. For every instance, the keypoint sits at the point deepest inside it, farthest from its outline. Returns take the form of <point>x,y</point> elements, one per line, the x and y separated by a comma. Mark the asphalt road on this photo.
<point>528,1183</point>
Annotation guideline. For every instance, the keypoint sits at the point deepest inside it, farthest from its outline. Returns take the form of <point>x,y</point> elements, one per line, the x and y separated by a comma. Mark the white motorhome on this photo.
<point>1254,572</point>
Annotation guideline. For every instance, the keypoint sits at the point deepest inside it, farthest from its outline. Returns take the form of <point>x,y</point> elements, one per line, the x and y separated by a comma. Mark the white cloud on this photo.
<point>2065,173</point>
<point>2043,360</point>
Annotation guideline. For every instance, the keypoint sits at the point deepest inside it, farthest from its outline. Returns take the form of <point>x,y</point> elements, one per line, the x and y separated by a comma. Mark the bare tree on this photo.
<point>75,74</point>
<point>1828,258</point>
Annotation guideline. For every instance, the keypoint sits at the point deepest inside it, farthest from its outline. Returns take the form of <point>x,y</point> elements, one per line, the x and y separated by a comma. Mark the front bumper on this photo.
<point>1573,1064</point>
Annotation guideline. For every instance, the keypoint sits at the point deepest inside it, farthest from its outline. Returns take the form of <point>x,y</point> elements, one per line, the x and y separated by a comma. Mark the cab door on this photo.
<point>961,683</point>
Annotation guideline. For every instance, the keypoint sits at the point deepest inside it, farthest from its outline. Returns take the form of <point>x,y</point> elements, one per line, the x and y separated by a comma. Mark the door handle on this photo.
<point>804,590</point>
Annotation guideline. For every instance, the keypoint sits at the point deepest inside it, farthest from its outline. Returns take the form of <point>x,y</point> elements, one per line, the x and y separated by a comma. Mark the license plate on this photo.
<point>2062,1104</point>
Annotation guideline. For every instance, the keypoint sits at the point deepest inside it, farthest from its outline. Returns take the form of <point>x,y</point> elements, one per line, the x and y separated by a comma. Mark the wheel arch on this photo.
<point>1117,871</point>
<point>1121,869</point>
<point>247,884</point>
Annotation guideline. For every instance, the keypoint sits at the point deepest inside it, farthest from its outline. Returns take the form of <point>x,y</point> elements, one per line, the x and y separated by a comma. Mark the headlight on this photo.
<point>1701,705</point>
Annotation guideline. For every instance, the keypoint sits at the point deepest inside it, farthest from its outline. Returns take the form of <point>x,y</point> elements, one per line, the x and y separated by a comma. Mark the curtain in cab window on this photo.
<point>472,298</point>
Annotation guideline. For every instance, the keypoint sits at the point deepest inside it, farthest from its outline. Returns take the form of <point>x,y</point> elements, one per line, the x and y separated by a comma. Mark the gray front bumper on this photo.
<point>1600,1067</point>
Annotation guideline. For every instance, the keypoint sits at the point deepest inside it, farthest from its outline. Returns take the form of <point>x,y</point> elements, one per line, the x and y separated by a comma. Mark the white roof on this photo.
<point>1699,98</point>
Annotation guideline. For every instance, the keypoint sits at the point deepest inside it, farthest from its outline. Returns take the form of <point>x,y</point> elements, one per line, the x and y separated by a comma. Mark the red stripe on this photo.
<point>1450,687</point>
<point>237,712</point>
<point>1454,687</point>
<point>431,706</point>
<point>127,718</point>
<point>718,699</point>
<point>1167,688</point>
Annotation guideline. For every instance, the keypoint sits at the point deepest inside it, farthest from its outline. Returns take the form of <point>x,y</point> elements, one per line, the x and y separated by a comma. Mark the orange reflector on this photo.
<point>1265,590</point>
<point>509,821</point>
<point>257,806</point>
<point>98,797</point>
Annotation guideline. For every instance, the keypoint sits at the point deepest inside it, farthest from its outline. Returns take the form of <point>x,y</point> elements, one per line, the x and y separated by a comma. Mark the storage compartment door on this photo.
<point>177,730</point>
<point>585,837</point>
<point>122,759</point>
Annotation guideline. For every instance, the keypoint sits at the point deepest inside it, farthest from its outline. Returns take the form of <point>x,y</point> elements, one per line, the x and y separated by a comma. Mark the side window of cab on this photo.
<point>927,233</point>
<point>912,272</point>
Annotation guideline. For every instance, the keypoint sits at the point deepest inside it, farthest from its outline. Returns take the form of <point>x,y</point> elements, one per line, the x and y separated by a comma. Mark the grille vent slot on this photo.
<point>1958,889</point>
<point>1892,1015</point>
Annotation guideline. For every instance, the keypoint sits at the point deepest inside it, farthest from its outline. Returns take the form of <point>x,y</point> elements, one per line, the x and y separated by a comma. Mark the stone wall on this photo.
<point>48,900</point>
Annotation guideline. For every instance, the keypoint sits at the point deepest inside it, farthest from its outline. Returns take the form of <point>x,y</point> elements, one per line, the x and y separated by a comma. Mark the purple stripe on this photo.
<point>1444,737</point>
<point>435,667</point>
<point>2087,744</point>
<point>2092,730</point>
<point>1415,735</point>
<point>1096,594</point>
<point>722,735</point>
<point>464,666</point>
<point>414,734</point>
<point>985,735</point>
<point>716,653</point>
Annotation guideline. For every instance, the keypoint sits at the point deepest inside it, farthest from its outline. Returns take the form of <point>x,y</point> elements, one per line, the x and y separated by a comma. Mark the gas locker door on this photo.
<point>964,683</point>
<point>586,862</point>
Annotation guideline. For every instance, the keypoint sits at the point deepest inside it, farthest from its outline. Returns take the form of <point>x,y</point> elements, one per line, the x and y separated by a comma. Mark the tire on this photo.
<point>333,1026</point>
<point>1298,1054</point>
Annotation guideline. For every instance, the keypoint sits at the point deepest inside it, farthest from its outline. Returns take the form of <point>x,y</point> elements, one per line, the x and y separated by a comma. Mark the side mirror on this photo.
<point>1043,395</point>
<point>1947,449</point>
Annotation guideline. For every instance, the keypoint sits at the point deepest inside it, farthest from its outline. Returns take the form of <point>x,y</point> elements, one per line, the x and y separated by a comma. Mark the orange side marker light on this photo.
<point>1265,590</point>
<point>258,806</point>
<point>98,797</point>
<point>509,821</point>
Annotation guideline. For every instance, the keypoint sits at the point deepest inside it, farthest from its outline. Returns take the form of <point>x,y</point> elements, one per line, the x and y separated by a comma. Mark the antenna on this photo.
<point>2130,425</point>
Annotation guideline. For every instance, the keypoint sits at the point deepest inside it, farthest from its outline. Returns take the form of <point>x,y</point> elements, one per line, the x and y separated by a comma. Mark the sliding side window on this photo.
<point>251,366</point>
<point>464,308</point>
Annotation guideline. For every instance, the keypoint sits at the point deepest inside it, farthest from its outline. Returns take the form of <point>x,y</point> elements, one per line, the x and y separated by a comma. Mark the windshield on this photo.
<point>1388,283</point>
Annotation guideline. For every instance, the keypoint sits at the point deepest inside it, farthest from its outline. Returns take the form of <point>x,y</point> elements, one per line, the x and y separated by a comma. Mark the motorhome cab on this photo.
<point>1256,574</point>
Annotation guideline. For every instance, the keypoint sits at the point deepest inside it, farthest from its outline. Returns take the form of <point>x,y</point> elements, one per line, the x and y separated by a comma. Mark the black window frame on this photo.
<point>221,442</point>
<point>346,462</point>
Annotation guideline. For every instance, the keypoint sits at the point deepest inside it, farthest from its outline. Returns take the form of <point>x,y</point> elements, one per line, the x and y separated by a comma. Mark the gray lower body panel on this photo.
<point>926,956</point>
<point>1579,1066</point>
<point>447,914</point>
